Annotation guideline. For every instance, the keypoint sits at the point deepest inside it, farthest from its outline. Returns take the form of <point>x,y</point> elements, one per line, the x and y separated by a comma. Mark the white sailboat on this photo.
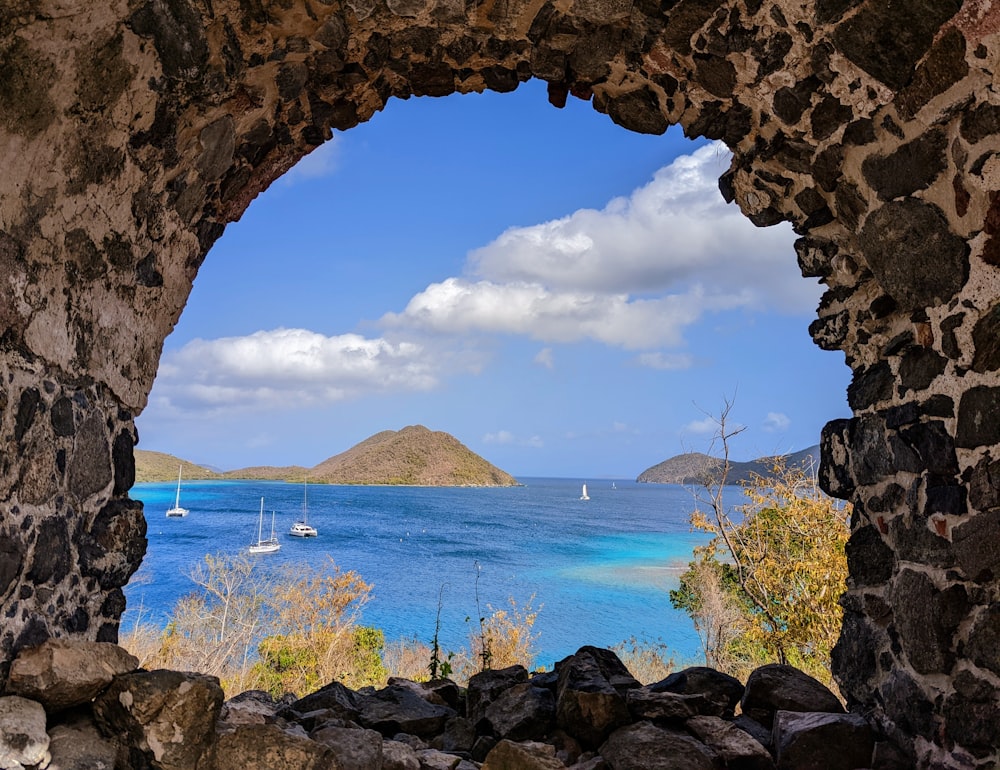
<point>271,544</point>
<point>302,528</point>
<point>584,495</point>
<point>177,511</point>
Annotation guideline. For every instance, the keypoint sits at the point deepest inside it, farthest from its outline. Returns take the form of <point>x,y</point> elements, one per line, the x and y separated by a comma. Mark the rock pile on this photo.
<point>75,705</point>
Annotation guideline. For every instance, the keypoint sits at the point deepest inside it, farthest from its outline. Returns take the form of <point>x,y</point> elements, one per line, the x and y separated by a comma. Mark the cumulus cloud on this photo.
<point>500,437</point>
<point>665,361</point>
<point>288,367</point>
<point>457,306</point>
<point>634,274</point>
<point>544,358</point>
<point>705,426</point>
<point>675,232</point>
<point>506,437</point>
<point>776,422</point>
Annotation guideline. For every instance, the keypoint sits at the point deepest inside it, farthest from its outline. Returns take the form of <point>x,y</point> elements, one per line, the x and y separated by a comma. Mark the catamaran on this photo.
<point>271,544</point>
<point>177,511</point>
<point>584,495</point>
<point>302,528</point>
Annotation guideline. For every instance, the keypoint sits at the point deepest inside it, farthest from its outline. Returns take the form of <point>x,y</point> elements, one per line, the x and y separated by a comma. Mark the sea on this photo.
<point>597,571</point>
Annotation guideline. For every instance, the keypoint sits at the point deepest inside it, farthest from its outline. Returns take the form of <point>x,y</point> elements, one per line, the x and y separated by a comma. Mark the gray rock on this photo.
<point>432,759</point>
<point>669,706</point>
<point>80,746</point>
<point>354,749</point>
<point>61,673</point>
<point>776,687</point>
<point>590,700</point>
<point>523,712</point>
<point>335,697</point>
<point>806,741</point>
<point>168,715</point>
<point>529,755</point>
<point>485,686</point>
<point>754,729</point>
<point>23,740</point>
<point>399,756</point>
<point>266,747</point>
<point>458,735</point>
<point>397,708</point>
<point>644,746</point>
<point>736,748</point>
<point>254,707</point>
<point>725,689</point>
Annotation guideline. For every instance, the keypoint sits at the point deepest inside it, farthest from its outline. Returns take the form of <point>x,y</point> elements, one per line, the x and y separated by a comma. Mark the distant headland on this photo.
<point>697,468</point>
<point>413,456</point>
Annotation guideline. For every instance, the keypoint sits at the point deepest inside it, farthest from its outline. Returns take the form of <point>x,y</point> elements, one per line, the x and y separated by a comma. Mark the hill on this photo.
<point>696,468</point>
<point>159,466</point>
<point>415,456</point>
<point>269,473</point>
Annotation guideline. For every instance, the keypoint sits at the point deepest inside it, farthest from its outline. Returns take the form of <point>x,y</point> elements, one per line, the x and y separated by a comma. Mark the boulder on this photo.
<point>668,706</point>
<point>822,741</point>
<point>354,749</point>
<point>254,707</point>
<point>523,712</point>
<point>79,746</point>
<point>459,736</point>
<point>334,697</point>
<point>399,756</point>
<point>529,755</point>
<point>644,746</point>
<point>23,740</point>
<point>778,687</point>
<point>485,686</point>
<point>432,759</point>
<point>62,673</point>
<point>736,748</point>
<point>266,747</point>
<point>397,708</point>
<point>168,715</point>
<point>714,685</point>
<point>590,702</point>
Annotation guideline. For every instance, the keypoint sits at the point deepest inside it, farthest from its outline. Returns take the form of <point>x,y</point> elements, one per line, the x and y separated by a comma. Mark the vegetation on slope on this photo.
<point>158,466</point>
<point>700,469</point>
<point>413,455</point>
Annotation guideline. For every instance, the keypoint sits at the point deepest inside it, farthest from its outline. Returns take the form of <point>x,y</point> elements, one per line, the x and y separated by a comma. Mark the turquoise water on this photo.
<point>599,570</point>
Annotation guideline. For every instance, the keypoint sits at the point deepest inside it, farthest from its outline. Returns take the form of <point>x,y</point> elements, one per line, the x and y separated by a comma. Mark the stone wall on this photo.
<point>132,132</point>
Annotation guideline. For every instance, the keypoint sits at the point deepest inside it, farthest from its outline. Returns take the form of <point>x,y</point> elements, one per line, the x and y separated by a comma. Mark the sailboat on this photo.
<point>302,528</point>
<point>177,511</point>
<point>584,495</point>
<point>271,544</point>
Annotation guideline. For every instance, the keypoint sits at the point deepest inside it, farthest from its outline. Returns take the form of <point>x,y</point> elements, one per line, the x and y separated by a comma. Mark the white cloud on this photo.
<point>506,437</point>
<point>702,427</point>
<point>632,275</point>
<point>288,367</point>
<point>664,361</point>
<point>675,232</point>
<point>776,422</point>
<point>458,306</point>
<point>544,358</point>
<point>319,163</point>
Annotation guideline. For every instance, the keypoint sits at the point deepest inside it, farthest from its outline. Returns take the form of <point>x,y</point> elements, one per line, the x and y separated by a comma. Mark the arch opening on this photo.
<point>167,119</point>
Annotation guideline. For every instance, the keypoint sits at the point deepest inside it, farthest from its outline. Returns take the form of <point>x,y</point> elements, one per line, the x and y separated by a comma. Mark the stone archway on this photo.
<point>132,132</point>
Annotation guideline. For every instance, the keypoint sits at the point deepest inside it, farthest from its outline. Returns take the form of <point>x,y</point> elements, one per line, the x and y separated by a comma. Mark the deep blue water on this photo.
<point>599,570</point>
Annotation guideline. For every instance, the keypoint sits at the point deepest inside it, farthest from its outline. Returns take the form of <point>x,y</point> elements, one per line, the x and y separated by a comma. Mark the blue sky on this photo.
<point>565,297</point>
